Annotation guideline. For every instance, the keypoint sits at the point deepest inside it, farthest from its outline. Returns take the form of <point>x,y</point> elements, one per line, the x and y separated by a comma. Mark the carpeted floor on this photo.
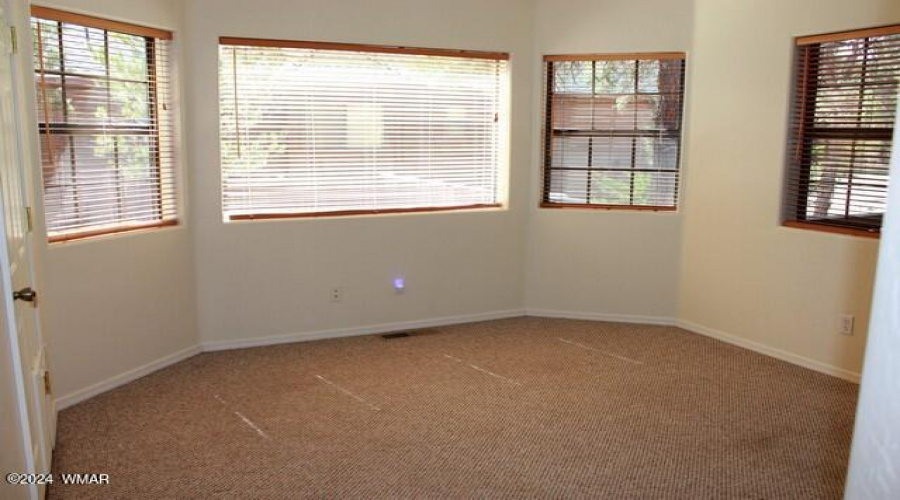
<point>519,408</point>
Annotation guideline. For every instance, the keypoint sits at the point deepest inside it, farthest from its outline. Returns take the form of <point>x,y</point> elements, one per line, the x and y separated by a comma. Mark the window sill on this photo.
<point>98,234</point>
<point>628,208</point>
<point>353,213</point>
<point>825,228</point>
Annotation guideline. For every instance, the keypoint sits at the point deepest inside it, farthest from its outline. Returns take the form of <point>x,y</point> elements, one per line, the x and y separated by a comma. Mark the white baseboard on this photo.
<point>131,375</point>
<point>613,318</point>
<point>124,378</point>
<point>770,351</point>
<point>220,345</point>
<point>707,332</point>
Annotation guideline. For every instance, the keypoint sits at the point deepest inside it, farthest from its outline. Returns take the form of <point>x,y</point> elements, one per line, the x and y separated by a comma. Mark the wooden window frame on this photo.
<point>547,143</point>
<point>806,84</point>
<point>377,49</point>
<point>359,47</point>
<point>99,23</point>
<point>47,129</point>
<point>346,213</point>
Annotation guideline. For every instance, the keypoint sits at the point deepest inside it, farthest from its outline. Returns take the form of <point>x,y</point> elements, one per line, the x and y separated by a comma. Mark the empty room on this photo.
<point>611,249</point>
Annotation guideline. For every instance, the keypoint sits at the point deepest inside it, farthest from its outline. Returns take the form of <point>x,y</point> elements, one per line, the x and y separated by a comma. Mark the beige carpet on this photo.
<point>520,408</point>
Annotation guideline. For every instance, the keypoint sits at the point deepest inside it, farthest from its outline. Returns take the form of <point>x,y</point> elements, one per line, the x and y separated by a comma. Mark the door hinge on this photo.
<point>29,219</point>
<point>14,40</point>
<point>48,387</point>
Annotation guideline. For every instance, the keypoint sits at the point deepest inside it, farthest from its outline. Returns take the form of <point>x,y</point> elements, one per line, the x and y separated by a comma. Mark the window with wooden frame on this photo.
<point>843,116</point>
<point>612,132</point>
<point>315,129</point>
<point>105,124</point>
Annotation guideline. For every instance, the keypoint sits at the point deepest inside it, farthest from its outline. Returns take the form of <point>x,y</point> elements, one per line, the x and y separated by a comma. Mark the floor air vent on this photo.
<point>398,335</point>
<point>409,333</point>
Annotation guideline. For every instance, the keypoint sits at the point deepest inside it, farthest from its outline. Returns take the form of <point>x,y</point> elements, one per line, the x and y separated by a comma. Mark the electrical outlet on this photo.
<point>847,322</point>
<point>337,294</point>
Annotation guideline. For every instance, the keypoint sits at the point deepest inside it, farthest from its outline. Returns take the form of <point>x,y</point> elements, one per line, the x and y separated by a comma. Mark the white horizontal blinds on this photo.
<point>308,131</point>
<point>843,121</point>
<point>613,130</point>
<point>106,134</point>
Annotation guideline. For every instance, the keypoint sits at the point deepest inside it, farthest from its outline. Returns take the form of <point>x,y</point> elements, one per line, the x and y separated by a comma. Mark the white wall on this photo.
<point>265,278</point>
<point>742,274</point>
<point>720,264</point>
<point>875,457</point>
<point>616,263</point>
<point>113,304</point>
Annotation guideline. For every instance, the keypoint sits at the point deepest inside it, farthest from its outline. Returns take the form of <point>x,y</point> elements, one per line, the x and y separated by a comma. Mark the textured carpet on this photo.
<point>519,408</point>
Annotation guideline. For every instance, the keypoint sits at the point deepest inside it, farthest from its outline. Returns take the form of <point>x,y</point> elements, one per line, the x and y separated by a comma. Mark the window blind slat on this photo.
<point>331,130</point>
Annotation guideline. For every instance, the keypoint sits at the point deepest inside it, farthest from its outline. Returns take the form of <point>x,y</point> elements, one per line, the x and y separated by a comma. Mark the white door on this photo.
<point>37,413</point>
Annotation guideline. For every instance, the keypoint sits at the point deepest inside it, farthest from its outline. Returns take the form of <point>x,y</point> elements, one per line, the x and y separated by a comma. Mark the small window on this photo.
<point>843,123</point>
<point>315,129</point>
<point>613,131</point>
<point>105,126</point>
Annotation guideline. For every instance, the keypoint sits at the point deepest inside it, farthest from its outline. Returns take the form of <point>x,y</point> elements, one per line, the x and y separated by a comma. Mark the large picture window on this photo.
<point>104,117</point>
<point>612,132</point>
<point>843,123</point>
<point>311,129</point>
